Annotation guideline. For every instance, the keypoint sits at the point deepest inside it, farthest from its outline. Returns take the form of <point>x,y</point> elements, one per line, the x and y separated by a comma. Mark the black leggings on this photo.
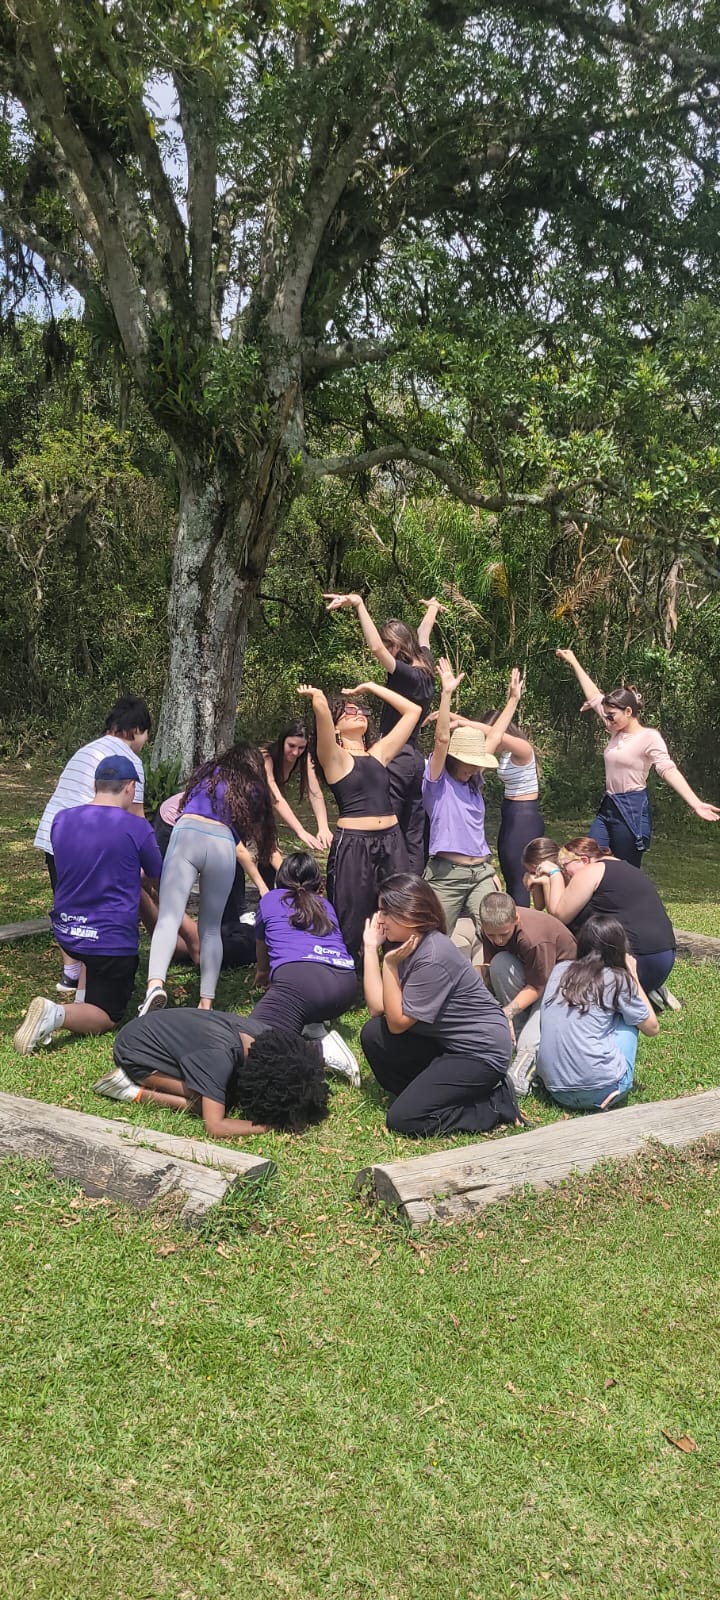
<point>520,821</point>
<point>305,991</point>
<point>437,1093</point>
<point>358,865</point>
<point>405,772</point>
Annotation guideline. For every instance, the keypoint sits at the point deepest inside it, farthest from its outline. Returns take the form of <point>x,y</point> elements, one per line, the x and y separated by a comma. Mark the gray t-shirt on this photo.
<point>450,1003</point>
<point>580,1052</point>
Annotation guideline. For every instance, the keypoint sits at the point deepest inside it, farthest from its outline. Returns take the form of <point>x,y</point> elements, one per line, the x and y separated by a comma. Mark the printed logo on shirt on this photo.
<point>325,952</point>
<point>83,933</point>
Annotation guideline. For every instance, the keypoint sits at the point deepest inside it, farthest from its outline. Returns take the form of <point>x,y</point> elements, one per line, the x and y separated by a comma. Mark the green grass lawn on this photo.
<point>309,1400</point>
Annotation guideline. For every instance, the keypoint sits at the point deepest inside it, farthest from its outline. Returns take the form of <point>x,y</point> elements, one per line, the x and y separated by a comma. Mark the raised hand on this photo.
<point>309,691</point>
<point>438,605</point>
<point>360,688</point>
<point>449,680</point>
<point>374,932</point>
<point>568,656</point>
<point>337,601</point>
<point>517,684</point>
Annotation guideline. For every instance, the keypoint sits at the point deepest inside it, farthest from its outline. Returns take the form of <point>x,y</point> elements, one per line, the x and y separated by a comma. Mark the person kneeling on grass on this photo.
<point>436,1039</point>
<point>520,949</point>
<point>99,853</point>
<point>303,964</point>
<point>591,1011</point>
<point>209,1062</point>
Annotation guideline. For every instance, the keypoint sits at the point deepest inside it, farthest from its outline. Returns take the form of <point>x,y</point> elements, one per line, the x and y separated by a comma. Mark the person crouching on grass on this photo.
<point>209,1062</point>
<point>99,852</point>
<point>520,949</point>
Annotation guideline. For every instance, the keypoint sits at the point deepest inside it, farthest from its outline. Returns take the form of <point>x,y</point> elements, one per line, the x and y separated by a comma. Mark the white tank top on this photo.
<point>518,781</point>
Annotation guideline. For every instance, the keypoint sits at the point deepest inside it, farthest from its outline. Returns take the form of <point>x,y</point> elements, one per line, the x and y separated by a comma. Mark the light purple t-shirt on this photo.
<point>285,943</point>
<point>99,853</point>
<point>457,816</point>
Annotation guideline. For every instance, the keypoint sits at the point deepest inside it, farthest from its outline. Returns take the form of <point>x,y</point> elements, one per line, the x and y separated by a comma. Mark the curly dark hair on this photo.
<point>282,1082</point>
<point>247,803</point>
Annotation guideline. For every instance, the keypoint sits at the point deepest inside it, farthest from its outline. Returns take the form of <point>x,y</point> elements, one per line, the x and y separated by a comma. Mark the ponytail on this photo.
<point>300,877</point>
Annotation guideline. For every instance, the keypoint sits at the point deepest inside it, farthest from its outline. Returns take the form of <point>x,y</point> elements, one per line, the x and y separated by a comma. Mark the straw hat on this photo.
<point>468,745</point>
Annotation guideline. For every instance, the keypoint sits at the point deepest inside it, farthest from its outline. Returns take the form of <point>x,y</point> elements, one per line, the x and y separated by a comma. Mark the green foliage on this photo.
<point>160,780</point>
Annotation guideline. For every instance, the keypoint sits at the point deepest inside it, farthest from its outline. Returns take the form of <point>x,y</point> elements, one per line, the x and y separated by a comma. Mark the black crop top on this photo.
<point>417,684</point>
<point>364,792</point>
<point>628,894</point>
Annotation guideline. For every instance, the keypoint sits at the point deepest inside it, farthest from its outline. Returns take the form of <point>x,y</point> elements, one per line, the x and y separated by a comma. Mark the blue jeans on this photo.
<point>625,1039</point>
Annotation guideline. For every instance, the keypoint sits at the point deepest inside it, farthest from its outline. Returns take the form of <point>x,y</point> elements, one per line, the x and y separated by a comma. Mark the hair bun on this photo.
<point>632,688</point>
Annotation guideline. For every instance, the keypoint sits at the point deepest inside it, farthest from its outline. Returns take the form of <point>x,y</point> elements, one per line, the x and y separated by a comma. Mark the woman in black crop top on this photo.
<point>405,656</point>
<point>588,881</point>
<point>368,844</point>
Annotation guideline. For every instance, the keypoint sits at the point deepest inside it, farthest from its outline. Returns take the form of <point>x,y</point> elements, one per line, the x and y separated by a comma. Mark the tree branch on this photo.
<point>55,257</point>
<point>349,466</point>
<point>322,360</point>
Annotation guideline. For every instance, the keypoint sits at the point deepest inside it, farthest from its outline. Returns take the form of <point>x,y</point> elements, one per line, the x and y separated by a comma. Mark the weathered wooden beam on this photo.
<point>696,946</point>
<point>123,1160</point>
<point>457,1182</point>
<point>24,930</point>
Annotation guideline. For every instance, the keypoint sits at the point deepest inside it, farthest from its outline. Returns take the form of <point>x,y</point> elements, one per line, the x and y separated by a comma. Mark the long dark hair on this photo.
<point>294,730</point>
<point>602,944</point>
<point>476,784</point>
<point>402,642</point>
<point>300,876</point>
<point>541,849</point>
<point>406,896</point>
<point>247,802</point>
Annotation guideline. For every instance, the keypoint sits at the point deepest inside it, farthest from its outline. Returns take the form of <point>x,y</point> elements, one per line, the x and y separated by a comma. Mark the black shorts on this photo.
<point>110,982</point>
<point>52,870</point>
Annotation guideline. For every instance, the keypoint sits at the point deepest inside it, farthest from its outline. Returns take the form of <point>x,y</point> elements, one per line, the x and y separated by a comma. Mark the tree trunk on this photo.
<point>227,520</point>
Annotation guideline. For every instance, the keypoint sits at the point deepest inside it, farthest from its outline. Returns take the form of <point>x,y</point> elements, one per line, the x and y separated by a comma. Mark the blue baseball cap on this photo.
<point>116,769</point>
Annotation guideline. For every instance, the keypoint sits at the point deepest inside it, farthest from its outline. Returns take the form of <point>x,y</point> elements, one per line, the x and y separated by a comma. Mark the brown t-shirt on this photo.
<point>539,941</point>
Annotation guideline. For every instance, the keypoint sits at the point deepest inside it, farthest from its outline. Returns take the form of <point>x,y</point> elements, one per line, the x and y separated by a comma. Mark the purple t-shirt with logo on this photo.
<point>99,853</point>
<point>285,943</point>
<point>457,816</point>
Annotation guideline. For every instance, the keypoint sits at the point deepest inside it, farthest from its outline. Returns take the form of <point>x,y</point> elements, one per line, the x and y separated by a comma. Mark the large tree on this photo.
<point>262,203</point>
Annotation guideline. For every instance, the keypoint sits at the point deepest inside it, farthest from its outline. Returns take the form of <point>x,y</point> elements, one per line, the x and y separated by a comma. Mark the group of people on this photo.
<point>575,949</point>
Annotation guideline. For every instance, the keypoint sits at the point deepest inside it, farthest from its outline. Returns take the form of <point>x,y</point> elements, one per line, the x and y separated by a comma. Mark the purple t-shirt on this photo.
<point>285,943</point>
<point>99,852</point>
<point>214,806</point>
<point>457,816</point>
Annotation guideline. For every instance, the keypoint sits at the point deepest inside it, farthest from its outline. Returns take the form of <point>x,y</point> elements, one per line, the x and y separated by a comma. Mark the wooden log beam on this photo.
<point>24,930</point>
<point>696,946</point>
<point>457,1182</point>
<point>123,1160</point>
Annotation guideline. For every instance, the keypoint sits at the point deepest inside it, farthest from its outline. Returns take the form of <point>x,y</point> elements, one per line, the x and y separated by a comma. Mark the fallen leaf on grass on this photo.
<point>166,1249</point>
<point>684,1443</point>
<point>610,1383</point>
<point>511,1388</point>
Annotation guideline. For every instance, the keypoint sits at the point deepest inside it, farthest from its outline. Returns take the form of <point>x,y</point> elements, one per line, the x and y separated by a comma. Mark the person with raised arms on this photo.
<point>460,868</point>
<point>368,843</point>
<point>405,656</point>
<point>285,757</point>
<point>623,823</point>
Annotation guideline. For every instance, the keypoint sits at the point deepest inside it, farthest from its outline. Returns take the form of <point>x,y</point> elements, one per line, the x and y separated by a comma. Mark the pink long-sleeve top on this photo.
<point>629,757</point>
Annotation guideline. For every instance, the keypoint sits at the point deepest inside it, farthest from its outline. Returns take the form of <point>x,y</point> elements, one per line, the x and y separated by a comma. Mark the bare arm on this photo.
<point>675,779</point>
<point>370,632</point>
<point>392,992</point>
<point>448,684</point>
<point>284,810</point>
<point>391,743</point>
<point>334,762</point>
<point>432,607</point>
<point>494,731</point>
<point>249,866</point>
<point>372,975</point>
<point>221,1127</point>
<point>589,689</point>
<point>317,801</point>
<point>137,810</point>
<point>566,901</point>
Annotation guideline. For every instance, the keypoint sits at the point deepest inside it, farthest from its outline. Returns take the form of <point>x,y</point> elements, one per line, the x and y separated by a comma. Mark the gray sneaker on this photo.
<point>155,1000</point>
<point>116,1085</point>
<point>521,1072</point>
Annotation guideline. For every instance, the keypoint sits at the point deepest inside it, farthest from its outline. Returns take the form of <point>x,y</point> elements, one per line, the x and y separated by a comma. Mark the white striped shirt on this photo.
<point>76,784</point>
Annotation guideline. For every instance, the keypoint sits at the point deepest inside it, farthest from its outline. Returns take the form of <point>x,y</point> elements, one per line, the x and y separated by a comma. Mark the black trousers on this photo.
<point>520,821</point>
<point>437,1093</point>
<point>358,865</point>
<point>405,772</point>
<point>305,991</point>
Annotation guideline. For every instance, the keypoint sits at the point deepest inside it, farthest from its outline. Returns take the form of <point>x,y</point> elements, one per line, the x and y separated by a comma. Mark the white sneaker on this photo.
<point>155,1000</point>
<point>117,1085</point>
<point>248,917</point>
<point>339,1059</point>
<point>521,1072</point>
<point>41,1020</point>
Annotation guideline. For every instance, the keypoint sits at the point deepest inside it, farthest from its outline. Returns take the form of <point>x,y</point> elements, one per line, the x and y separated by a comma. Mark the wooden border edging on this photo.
<point>24,930</point>
<point>456,1183</point>
<point>123,1160</point>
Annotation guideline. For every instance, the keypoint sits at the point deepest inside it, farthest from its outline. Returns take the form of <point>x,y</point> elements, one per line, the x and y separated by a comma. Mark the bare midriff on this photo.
<point>461,861</point>
<point>367,824</point>
<point>517,799</point>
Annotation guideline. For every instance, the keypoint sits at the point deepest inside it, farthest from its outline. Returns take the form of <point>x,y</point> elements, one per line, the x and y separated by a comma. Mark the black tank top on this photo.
<point>364,792</point>
<point>417,684</point>
<point>626,893</point>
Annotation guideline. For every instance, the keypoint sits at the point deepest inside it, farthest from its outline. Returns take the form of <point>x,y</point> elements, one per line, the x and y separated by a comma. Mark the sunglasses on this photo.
<point>350,708</point>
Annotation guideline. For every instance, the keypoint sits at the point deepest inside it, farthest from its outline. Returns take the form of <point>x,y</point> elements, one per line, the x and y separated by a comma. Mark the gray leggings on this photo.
<point>206,849</point>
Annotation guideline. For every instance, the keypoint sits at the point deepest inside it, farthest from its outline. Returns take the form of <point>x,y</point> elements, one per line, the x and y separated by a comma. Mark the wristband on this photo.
<point>552,874</point>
